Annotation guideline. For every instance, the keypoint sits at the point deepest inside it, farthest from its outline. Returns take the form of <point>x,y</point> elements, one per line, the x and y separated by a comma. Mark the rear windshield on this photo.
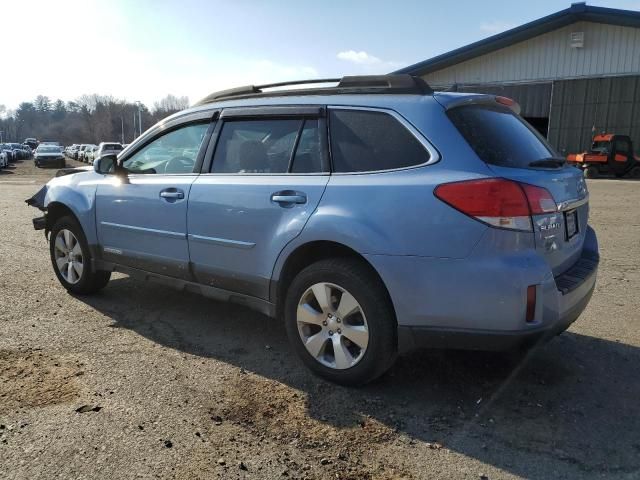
<point>112,146</point>
<point>499,136</point>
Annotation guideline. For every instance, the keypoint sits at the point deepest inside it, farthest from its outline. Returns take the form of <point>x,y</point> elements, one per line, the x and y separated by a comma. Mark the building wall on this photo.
<point>611,105</point>
<point>608,50</point>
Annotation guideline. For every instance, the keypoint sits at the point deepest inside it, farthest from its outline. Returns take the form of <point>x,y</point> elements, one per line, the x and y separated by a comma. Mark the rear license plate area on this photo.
<point>571,223</point>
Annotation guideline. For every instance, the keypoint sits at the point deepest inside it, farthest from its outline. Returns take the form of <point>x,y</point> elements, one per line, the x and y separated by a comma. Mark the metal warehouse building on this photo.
<point>572,72</point>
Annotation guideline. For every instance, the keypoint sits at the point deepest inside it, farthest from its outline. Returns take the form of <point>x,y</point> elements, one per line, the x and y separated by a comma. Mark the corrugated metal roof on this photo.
<point>577,12</point>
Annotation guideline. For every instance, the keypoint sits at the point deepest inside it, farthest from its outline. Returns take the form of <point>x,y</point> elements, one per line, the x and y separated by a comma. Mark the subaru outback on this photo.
<point>374,216</point>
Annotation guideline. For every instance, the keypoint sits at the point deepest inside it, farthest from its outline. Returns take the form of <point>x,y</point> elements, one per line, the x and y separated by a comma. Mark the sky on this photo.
<point>145,49</point>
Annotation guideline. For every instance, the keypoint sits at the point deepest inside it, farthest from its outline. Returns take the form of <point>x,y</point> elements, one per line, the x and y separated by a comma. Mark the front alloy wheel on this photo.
<point>71,258</point>
<point>332,326</point>
<point>68,256</point>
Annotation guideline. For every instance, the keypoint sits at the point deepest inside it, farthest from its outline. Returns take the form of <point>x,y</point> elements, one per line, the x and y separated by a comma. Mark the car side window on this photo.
<point>309,152</point>
<point>173,152</point>
<point>269,146</point>
<point>622,146</point>
<point>364,141</point>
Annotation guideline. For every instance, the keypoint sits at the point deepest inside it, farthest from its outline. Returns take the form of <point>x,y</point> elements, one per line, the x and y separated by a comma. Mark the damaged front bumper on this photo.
<point>39,223</point>
<point>37,201</point>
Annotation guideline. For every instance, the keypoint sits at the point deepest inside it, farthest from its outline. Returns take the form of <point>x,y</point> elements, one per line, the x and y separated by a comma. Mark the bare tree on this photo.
<point>91,118</point>
<point>171,104</point>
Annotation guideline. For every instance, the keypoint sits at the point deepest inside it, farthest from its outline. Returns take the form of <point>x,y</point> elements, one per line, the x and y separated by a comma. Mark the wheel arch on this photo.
<point>311,252</point>
<point>68,198</point>
<point>57,210</point>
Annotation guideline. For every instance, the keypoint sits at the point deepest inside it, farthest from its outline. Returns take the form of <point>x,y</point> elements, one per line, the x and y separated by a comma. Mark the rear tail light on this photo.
<point>498,202</point>
<point>540,200</point>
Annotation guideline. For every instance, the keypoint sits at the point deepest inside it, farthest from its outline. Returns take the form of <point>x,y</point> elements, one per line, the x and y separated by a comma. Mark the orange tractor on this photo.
<point>609,155</point>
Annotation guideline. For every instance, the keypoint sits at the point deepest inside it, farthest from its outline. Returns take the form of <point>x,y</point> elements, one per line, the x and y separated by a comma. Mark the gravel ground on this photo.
<point>141,381</point>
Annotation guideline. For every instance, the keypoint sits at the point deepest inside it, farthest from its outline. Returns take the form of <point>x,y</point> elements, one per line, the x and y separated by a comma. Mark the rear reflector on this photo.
<point>531,303</point>
<point>498,202</point>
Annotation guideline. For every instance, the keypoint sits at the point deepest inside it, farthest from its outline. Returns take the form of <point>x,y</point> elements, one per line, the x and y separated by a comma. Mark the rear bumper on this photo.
<point>411,338</point>
<point>49,160</point>
<point>479,302</point>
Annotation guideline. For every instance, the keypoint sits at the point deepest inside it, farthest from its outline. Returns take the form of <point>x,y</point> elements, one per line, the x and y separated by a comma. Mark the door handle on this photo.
<point>172,193</point>
<point>289,197</point>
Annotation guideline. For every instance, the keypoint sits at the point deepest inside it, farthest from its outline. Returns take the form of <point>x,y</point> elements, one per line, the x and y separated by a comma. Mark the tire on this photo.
<point>591,172</point>
<point>374,314</point>
<point>85,281</point>
<point>634,172</point>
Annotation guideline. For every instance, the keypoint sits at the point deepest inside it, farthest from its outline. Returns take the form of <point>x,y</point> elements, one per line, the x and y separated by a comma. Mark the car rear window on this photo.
<point>364,141</point>
<point>499,136</point>
<point>112,146</point>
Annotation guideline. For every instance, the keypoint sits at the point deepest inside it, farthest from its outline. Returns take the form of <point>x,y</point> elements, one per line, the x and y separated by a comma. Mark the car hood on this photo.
<point>69,171</point>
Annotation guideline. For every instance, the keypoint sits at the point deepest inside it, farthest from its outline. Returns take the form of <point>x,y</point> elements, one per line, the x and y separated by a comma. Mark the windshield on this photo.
<point>48,150</point>
<point>499,136</point>
<point>600,147</point>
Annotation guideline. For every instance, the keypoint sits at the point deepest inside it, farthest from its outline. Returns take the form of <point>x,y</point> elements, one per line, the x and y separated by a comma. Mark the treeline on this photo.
<point>88,119</point>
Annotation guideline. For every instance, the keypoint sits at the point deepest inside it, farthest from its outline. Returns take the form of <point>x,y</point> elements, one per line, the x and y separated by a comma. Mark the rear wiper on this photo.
<point>551,162</point>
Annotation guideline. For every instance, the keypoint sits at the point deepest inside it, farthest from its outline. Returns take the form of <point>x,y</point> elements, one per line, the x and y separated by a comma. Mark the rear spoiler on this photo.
<point>454,101</point>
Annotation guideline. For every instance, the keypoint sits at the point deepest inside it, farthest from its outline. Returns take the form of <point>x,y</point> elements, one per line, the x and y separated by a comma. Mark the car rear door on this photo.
<point>266,173</point>
<point>142,221</point>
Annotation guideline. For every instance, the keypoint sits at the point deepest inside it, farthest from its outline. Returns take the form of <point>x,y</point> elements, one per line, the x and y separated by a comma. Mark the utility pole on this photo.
<point>134,126</point>
<point>139,104</point>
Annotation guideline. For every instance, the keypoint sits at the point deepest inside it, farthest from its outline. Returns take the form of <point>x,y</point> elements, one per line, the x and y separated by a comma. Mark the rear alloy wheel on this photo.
<point>71,258</point>
<point>334,332</point>
<point>340,321</point>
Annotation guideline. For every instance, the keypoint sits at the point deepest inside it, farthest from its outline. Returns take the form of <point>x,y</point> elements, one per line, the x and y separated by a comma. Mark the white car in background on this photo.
<point>83,151</point>
<point>89,154</point>
<point>108,148</point>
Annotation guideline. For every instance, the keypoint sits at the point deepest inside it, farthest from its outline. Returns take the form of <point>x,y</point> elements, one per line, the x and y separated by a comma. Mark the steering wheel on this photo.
<point>179,165</point>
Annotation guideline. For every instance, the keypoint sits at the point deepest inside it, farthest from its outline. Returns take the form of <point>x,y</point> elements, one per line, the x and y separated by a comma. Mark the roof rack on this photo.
<point>380,84</point>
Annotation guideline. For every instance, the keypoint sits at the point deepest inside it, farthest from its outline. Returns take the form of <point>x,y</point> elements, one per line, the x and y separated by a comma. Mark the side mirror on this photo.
<point>106,164</point>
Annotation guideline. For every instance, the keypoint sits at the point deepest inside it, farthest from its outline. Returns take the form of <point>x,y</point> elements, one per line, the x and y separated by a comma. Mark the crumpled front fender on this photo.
<point>73,192</point>
<point>38,199</point>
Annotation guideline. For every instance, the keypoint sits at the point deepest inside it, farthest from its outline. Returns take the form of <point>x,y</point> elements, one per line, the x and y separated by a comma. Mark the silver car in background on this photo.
<point>108,148</point>
<point>49,155</point>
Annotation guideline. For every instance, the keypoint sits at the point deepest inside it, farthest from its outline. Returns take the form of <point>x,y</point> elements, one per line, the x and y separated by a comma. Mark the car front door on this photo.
<point>142,220</point>
<point>258,188</point>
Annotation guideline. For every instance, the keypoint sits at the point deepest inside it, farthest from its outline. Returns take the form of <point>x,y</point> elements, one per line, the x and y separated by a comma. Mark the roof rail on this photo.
<point>392,83</point>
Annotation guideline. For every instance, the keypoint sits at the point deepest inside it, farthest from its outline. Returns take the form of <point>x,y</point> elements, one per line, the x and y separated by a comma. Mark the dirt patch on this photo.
<point>32,379</point>
<point>345,440</point>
